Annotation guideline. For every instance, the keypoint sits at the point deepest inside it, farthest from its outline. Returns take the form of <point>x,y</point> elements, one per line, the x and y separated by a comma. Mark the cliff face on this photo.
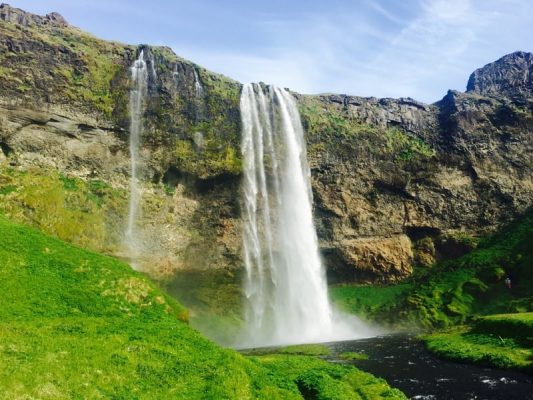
<point>510,76</point>
<point>396,182</point>
<point>64,109</point>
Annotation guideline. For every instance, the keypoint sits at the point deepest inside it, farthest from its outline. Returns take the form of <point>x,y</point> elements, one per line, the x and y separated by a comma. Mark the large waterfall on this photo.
<point>139,77</point>
<point>285,286</point>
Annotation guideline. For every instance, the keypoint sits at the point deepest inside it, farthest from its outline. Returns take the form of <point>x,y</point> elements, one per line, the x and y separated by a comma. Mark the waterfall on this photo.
<point>199,89</point>
<point>139,77</point>
<point>285,285</point>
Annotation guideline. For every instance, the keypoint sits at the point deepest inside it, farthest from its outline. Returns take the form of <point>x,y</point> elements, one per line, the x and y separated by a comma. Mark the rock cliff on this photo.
<point>396,182</point>
<point>402,170</point>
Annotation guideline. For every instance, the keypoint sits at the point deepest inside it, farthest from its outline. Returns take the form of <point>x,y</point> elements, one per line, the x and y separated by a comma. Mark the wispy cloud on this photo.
<point>373,50</point>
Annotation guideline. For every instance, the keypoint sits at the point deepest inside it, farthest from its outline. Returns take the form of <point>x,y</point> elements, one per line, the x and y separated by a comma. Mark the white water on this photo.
<point>139,77</point>
<point>285,286</point>
<point>199,89</point>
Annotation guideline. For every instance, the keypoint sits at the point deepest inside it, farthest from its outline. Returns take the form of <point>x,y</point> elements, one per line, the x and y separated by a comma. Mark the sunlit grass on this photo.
<point>76,324</point>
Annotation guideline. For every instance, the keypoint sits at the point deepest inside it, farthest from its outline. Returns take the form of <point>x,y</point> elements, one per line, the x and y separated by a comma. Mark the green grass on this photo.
<point>350,355</point>
<point>316,379</point>
<point>503,341</point>
<point>306,350</point>
<point>75,324</point>
<point>317,350</point>
<point>369,302</point>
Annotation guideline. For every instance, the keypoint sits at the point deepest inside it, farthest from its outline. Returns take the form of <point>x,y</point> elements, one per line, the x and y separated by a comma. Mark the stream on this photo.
<point>405,364</point>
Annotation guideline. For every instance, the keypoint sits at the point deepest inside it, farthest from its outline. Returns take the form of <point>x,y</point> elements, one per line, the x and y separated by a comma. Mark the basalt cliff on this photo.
<point>396,182</point>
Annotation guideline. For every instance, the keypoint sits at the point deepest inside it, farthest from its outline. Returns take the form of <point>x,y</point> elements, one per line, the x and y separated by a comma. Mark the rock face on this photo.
<point>391,177</point>
<point>63,107</point>
<point>384,167</point>
<point>23,18</point>
<point>511,76</point>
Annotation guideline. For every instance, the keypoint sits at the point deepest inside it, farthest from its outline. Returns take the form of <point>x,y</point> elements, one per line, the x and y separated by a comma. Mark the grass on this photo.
<point>312,349</point>
<point>306,350</point>
<point>369,302</point>
<point>76,324</point>
<point>503,341</point>
<point>350,355</point>
<point>316,379</point>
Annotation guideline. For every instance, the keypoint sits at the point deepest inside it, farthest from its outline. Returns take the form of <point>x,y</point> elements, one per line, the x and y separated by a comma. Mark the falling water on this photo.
<point>285,285</point>
<point>199,89</point>
<point>139,77</point>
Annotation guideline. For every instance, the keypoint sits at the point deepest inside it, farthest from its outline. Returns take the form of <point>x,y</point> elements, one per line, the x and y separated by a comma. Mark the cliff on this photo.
<point>64,118</point>
<point>396,182</point>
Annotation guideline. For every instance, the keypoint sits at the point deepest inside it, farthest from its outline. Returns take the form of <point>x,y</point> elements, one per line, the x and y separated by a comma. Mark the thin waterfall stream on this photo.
<point>285,285</point>
<point>139,77</point>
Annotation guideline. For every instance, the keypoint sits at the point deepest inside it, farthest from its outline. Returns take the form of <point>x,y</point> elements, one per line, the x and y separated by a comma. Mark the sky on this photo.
<point>381,48</point>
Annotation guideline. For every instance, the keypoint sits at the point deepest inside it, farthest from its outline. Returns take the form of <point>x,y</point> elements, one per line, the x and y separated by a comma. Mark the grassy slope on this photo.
<point>75,324</point>
<point>455,291</point>
<point>503,340</point>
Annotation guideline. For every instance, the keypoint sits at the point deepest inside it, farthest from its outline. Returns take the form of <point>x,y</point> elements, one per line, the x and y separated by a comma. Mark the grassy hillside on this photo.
<point>76,324</point>
<point>503,340</point>
<point>455,291</point>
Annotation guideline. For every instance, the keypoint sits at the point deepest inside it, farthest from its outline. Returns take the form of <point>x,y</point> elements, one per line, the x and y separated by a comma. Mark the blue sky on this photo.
<point>382,48</point>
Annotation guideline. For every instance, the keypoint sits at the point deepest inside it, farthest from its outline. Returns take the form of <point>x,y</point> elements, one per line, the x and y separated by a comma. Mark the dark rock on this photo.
<point>24,18</point>
<point>511,76</point>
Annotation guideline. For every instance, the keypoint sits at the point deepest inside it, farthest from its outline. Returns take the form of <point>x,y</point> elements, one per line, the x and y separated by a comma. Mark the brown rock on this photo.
<point>378,258</point>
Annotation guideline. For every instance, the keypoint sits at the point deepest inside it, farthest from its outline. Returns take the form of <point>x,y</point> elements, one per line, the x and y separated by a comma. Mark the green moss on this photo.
<point>7,189</point>
<point>23,88</point>
<point>333,131</point>
<point>86,213</point>
<point>370,302</point>
<point>215,158</point>
<point>217,123</point>
<point>87,75</point>
<point>406,147</point>
<point>353,356</point>
<point>74,68</point>
<point>100,62</point>
<point>326,120</point>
